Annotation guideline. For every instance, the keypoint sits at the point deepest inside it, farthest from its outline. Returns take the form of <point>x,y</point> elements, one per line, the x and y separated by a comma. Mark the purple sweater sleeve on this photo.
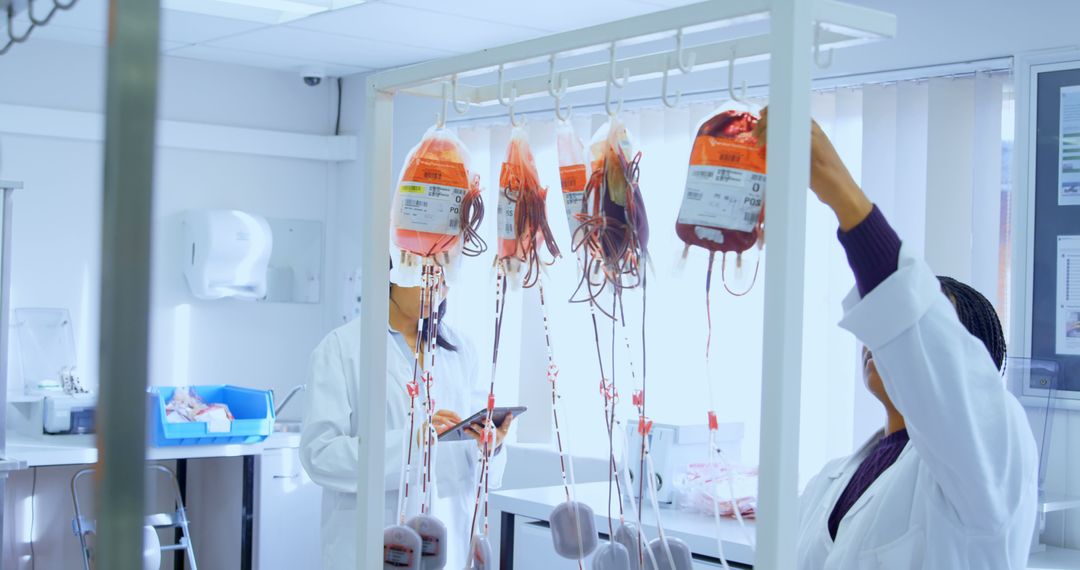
<point>873,250</point>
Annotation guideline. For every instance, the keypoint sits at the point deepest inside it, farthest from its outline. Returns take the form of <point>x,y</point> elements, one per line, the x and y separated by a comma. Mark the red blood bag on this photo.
<point>522,214</point>
<point>437,197</point>
<point>723,204</point>
<point>573,173</point>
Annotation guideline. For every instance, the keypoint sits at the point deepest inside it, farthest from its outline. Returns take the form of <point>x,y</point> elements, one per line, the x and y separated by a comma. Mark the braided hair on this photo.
<point>978,316</point>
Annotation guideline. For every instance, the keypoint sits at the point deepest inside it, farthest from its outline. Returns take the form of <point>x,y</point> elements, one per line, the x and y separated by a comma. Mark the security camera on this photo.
<point>312,76</point>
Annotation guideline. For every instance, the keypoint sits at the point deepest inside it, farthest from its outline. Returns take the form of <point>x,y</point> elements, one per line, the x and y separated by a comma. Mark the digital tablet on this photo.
<point>458,433</point>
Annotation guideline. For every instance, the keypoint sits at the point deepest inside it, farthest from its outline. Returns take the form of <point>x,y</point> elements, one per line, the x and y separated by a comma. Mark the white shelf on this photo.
<point>23,399</point>
<point>1058,502</point>
<point>1054,558</point>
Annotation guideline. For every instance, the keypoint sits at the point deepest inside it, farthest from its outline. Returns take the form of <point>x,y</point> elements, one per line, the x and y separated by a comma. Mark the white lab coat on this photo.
<point>329,444</point>
<point>962,494</point>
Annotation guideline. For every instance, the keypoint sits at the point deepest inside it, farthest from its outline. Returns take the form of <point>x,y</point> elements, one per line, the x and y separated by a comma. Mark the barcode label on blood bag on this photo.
<point>399,556</point>
<point>573,201</point>
<point>721,197</point>
<point>433,208</point>
<point>430,545</point>
<point>505,215</point>
<point>572,177</point>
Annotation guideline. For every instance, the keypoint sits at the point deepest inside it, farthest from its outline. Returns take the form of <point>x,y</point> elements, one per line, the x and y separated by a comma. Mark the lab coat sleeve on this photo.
<point>970,432</point>
<point>329,451</point>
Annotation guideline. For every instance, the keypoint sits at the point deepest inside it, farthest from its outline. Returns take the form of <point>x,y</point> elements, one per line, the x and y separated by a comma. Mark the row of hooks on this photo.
<point>681,59</point>
<point>14,37</point>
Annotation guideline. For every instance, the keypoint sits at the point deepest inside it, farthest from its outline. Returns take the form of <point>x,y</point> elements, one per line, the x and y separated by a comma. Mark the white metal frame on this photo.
<point>790,47</point>
<point>1027,70</point>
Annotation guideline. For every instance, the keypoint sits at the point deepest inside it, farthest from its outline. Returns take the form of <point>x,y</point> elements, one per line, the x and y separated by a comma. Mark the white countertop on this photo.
<point>47,450</point>
<point>698,531</point>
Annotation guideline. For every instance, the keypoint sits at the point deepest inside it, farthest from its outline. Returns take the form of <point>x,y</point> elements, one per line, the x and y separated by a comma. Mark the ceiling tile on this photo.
<point>58,33</point>
<point>188,28</point>
<point>408,25</point>
<point>328,48</point>
<point>552,16</point>
<point>253,59</point>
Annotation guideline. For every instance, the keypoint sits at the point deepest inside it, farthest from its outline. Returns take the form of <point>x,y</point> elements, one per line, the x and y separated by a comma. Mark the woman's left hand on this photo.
<point>476,432</point>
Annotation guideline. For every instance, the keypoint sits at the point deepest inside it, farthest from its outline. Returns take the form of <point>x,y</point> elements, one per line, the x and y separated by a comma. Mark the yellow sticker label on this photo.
<point>411,189</point>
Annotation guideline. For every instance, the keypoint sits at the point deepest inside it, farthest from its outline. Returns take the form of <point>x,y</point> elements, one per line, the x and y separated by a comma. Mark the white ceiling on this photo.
<point>373,35</point>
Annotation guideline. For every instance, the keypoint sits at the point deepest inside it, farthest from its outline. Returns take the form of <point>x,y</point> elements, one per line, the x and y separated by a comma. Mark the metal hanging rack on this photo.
<point>11,10</point>
<point>799,31</point>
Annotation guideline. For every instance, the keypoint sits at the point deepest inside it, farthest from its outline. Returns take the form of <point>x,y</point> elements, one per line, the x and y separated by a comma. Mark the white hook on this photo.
<point>817,49</point>
<point>612,77</point>
<point>731,81</point>
<point>557,94</point>
<point>440,118</point>
<point>690,57</point>
<point>607,97</point>
<point>663,89</point>
<point>460,107</point>
<point>513,97</point>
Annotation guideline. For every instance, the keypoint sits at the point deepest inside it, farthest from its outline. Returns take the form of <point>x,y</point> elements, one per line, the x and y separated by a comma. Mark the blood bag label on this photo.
<point>430,208</point>
<point>722,197</point>
<point>505,214</point>
<point>573,201</point>
<point>430,546</point>
<point>398,555</point>
<point>430,196</point>
<point>573,177</point>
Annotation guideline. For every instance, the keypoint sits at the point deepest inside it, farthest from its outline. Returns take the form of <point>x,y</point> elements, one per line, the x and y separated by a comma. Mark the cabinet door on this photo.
<point>287,513</point>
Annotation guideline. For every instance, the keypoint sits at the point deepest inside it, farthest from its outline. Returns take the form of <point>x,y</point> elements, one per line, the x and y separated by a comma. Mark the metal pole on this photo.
<point>374,250</point>
<point>785,210</point>
<point>130,114</point>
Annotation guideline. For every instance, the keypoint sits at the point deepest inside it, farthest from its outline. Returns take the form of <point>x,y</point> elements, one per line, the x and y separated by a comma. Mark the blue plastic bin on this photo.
<point>253,411</point>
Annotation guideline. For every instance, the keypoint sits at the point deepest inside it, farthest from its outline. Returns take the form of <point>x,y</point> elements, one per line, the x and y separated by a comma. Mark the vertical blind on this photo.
<point>927,152</point>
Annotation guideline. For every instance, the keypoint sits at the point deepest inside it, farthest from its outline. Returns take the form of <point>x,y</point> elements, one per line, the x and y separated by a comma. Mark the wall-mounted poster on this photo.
<point>1068,295</point>
<point>1069,147</point>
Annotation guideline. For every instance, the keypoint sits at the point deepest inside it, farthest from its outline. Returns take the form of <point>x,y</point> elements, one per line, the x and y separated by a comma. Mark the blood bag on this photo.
<point>433,541</point>
<point>627,535</point>
<point>615,171</point>
<point>680,555</point>
<point>573,530</point>
<point>573,173</point>
<point>401,548</point>
<point>723,203</point>
<point>611,556</point>
<point>522,211</point>
<point>480,554</point>
<point>434,192</point>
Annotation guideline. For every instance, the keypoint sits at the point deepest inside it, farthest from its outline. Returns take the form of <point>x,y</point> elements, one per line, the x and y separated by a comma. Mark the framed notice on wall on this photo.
<point>1045,319</point>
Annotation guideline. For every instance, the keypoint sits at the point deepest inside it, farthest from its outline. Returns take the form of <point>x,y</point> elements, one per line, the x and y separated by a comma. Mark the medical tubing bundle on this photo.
<point>522,212</point>
<point>565,463</point>
<point>430,435</point>
<point>413,389</point>
<point>488,435</point>
<point>611,396</point>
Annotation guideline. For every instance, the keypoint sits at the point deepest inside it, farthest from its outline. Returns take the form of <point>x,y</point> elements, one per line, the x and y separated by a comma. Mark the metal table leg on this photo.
<point>247,520</point>
<point>506,542</point>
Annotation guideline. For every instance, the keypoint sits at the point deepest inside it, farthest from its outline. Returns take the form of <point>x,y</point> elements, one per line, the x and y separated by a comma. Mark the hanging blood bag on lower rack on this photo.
<point>522,213</point>
<point>723,204</point>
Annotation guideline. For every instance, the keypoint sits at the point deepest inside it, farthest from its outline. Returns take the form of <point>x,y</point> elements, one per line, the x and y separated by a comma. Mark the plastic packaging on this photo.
<point>573,173</point>
<point>723,203</point>
<point>729,487</point>
<point>433,541</point>
<point>573,530</point>
<point>437,199</point>
<point>401,548</point>
<point>522,214</point>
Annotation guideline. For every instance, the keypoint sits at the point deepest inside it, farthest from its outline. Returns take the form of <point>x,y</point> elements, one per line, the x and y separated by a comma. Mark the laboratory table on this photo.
<point>54,450</point>
<point>533,506</point>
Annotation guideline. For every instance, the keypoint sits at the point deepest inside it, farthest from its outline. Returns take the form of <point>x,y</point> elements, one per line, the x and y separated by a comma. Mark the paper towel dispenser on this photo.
<point>226,253</point>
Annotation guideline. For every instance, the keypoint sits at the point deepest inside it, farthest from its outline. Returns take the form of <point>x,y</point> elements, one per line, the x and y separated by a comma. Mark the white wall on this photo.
<point>57,225</point>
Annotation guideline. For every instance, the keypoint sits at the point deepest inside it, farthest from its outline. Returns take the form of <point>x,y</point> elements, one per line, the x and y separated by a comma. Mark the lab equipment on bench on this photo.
<point>674,447</point>
<point>498,415</point>
<point>85,527</point>
<point>69,414</point>
<point>226,254</point>
<point>251,410</point>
